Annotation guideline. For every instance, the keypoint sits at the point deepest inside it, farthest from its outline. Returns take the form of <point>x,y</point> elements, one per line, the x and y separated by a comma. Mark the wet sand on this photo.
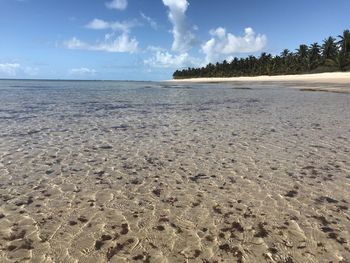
<point>152,172</point>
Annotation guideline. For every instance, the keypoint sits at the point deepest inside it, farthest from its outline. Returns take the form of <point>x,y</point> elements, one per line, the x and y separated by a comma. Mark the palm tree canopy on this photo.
<point>329,48</point>
<point>302,51</point>
<point>345,41</point>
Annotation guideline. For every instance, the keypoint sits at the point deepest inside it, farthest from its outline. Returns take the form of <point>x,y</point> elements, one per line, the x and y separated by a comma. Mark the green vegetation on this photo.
<point>331,56</point>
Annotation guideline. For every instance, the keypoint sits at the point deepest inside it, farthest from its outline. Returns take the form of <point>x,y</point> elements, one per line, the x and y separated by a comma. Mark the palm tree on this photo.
<point>314,55</point>
<point>302,51</point>
<point>345,41</point>
<point>329,48</point>
<point>285,53</point>
<point>342,60</point>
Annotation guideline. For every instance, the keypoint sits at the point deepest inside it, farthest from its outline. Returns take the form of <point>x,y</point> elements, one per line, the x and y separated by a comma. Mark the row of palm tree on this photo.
<point>331,56</point>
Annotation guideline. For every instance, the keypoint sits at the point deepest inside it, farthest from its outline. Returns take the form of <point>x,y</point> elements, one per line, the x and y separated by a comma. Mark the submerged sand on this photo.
<point>150,172</point>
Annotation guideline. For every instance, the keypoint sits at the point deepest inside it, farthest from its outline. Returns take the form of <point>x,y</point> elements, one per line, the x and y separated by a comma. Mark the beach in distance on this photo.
<point>310,81</point>
<point>103,171</point>
<point>329,77</point>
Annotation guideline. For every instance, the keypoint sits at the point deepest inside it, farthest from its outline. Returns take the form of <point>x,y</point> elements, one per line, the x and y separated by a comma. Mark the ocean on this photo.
<point>99,171</point>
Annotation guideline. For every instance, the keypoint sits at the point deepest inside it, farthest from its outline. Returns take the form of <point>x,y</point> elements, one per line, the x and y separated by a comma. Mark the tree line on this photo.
<point>332,55</point>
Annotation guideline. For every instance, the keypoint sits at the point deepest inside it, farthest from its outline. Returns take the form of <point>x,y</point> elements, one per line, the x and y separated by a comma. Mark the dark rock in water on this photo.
<point>291,193</point>
<point>157,192</point>
<point>106,147</point>
<point>27,244</point>
<point>125,229</point>
<point>262,232</point>
<point>217,209</point>
<point>333,235</point>
<point>341,207</point>
<point>119,247</point>
<point>16,235</point>
<point>138,257</point>
<point>160,228</point>
<point>197,253</point>
<point>233,250</point>
<point>120,127</point>
<point>198,176</point>
<point>101,242</point>
<point>72,223</point>
<point>82,219</point>
<point>326,229</point>
<point>98,244</point>
<point>322,219</point>
<point>11,248</point>
<point>323,199</point>
<point>235,226</point>
<point>225,247</point>
<point>100,173</point>
<point>135,181</point>
<point>113,251</point>
<point>2,215</point>
<point>106,237</point>
<point>288,260</point>
<point>273,250</point>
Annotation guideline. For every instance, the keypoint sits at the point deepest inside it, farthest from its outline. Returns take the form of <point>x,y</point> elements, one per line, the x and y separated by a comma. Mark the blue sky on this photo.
<point>149,39</point>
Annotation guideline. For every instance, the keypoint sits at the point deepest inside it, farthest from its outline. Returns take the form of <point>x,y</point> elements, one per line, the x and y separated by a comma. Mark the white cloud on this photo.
<point>184,39</point>
<point>99,24</point>
<point>75,43</point>
<point>9,69</point>
<point>155,48</point>
<point>16,69</point>
<point>224,45</point>
<point>82,72</point>
<point>122,43</point>
<point>150,21</point>
<point>117,4</point>
<point>164,59</point>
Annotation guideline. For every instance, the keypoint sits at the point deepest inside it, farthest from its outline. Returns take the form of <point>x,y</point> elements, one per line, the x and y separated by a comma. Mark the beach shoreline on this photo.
<point>333,77</point>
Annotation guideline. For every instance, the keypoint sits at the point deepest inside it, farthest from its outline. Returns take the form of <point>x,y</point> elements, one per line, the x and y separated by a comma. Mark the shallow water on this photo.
<point>152,172</point>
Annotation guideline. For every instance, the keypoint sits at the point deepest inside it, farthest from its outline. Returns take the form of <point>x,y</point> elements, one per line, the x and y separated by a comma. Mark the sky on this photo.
<point>150,39</point>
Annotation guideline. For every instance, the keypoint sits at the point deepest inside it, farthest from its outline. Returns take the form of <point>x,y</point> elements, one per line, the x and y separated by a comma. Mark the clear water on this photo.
<point>99,171</point>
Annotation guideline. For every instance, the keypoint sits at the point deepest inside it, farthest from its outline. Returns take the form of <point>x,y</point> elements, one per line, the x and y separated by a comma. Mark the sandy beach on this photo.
<point>332,82</point>
<point>335,78</point>
<point>153,172</point>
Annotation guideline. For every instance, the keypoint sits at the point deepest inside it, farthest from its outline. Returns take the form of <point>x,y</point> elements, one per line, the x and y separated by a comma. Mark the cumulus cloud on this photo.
<point>16,69</point>
<point>184,39</point>
<point>9,69</point>
<point>150,21</point>
<point>99,24</point>
<point>121,44</point>
<point>224,45</point>
<point>117,4</point>
<point>82,72</point>
<point>164,59</point>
